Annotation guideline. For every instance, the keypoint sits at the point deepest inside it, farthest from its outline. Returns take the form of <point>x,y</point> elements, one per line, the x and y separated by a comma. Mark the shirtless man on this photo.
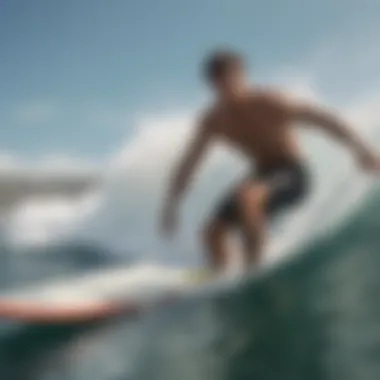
<point>259,123</point>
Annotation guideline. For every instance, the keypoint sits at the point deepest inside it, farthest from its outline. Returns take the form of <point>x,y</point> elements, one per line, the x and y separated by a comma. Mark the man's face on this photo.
<point>231,82</point>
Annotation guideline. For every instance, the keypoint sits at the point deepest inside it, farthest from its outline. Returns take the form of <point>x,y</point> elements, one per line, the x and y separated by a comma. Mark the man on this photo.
<point>259,123</point>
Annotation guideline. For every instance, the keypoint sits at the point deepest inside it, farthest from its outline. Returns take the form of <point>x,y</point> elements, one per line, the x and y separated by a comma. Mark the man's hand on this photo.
<point>169,222</point>
<point>369,161</point>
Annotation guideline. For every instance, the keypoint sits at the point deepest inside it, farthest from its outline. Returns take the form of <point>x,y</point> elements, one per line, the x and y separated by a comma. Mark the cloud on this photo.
<point>365,111</point>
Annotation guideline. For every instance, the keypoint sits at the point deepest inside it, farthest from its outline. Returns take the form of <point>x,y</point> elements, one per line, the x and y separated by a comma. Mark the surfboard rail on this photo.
<point>100,295</point>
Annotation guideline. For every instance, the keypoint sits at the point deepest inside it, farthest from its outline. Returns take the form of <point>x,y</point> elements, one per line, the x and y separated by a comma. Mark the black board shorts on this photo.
<point>288,185</point>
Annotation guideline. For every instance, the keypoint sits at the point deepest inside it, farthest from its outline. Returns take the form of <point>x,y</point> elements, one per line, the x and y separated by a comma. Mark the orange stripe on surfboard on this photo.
<point>30,312</point>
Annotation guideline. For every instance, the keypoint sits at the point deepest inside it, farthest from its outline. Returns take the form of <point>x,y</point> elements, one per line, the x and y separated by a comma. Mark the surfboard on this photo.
<point>102,294</point>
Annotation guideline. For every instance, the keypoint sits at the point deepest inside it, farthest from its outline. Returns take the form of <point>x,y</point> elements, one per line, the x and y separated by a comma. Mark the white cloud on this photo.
<point>8,162</point>
<point>365,112</point>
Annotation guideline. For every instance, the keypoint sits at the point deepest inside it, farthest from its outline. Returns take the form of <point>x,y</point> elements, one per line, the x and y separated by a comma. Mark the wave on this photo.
<point>314,317</point>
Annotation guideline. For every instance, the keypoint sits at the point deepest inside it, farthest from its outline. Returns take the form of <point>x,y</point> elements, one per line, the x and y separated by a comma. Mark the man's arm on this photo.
<point>183,172</point>
<point>335,126</point>
<point>190,160</point>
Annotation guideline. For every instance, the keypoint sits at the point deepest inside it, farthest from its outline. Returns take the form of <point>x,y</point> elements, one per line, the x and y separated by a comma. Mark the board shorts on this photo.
<point>288,185</point>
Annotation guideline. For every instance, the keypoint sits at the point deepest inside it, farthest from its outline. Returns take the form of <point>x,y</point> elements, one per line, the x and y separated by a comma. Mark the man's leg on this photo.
<point>252,200</point>
<point>215,240</point>
<point>266,195</point>
<point>216,232</point>
<point>245,208</point>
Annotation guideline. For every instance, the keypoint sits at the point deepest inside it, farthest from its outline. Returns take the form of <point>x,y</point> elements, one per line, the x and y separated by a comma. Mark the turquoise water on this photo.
<point>317,316</point>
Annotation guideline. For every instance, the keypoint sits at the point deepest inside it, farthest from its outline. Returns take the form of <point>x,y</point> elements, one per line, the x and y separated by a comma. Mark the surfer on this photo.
<point>259,123</point>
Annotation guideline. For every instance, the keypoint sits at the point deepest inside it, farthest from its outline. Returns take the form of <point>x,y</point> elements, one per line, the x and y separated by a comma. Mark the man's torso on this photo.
<point>257,125</point>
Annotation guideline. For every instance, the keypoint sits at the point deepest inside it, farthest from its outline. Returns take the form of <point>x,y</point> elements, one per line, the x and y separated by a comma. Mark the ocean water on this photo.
<point>314,316</point>
<point>311,314</point>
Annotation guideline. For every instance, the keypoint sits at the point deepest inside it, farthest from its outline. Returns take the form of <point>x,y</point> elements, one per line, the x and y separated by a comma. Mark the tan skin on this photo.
<point>260,124</point>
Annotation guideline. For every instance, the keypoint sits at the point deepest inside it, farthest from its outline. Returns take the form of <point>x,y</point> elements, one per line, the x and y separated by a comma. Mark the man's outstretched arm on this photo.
<point>335,126</point>
<point>183,172</point>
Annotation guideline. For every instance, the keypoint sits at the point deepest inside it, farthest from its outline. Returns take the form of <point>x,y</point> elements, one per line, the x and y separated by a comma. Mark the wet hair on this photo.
<point>219,63</point>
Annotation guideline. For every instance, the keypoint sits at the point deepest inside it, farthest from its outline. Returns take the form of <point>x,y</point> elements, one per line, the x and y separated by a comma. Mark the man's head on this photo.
<point>224,70</point>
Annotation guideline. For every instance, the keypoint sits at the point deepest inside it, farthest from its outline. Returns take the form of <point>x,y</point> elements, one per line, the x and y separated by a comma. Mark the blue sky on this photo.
<point>75,74</point>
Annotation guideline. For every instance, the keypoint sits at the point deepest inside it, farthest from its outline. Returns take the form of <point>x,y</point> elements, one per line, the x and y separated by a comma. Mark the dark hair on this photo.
<point>221,62</point>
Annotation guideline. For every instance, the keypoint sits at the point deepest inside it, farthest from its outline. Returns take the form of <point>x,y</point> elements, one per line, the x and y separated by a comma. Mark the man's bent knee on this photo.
<point>213,231</point>
<point>252,197</point>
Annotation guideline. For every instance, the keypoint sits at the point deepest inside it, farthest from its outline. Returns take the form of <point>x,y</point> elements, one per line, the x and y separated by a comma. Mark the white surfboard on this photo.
<point>125,290</point>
